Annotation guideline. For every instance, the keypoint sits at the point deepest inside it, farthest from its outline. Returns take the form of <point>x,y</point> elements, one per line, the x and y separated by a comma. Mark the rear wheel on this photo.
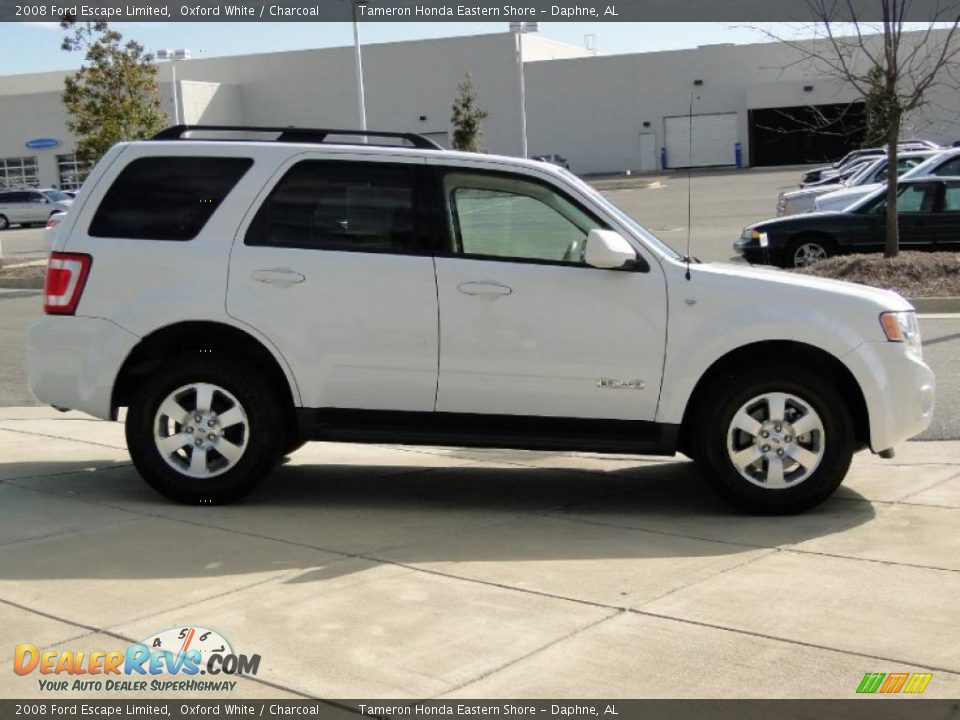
<point>774,440</point>
<point>204,431</point>
<point>4,223</point>
<point>808,250</point>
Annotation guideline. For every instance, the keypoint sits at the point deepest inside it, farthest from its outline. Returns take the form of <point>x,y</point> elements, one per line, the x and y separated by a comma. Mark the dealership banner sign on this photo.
<point>502,709</point>
<point>449,10</point>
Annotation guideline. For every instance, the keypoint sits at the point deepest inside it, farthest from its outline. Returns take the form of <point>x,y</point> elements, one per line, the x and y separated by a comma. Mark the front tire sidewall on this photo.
<point>727,481</point>
<point>264,432</point>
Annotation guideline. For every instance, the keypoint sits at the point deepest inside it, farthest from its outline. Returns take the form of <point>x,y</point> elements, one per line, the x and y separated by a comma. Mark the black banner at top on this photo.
<point>465,10</point>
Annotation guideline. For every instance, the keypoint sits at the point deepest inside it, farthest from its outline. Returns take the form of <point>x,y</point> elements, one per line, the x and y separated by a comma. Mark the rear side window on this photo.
<point>166,198</point>
<point>340,205</point>
<point>951,167</point>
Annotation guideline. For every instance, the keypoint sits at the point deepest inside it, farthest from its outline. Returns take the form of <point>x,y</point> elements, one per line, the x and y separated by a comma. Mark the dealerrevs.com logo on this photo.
<point>167,661</point>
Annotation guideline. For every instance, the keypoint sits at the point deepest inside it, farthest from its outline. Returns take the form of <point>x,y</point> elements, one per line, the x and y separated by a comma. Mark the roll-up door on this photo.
<point>713,140</point>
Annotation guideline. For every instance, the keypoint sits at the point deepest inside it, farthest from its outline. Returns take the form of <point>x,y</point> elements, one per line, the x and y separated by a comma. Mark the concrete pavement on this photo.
<point>381,571</point>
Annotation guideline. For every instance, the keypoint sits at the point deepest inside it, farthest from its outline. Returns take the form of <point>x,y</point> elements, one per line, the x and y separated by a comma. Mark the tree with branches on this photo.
<point>891,67</point>
<point>114,96</point>
<point>467,118</point>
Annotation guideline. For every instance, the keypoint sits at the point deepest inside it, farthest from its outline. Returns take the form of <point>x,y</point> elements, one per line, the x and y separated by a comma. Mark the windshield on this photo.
<point>636,227</point>
<point>55,195</point>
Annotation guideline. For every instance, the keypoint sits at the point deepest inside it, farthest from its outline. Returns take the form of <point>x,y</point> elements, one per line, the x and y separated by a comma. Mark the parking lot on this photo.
<point>382,571</point>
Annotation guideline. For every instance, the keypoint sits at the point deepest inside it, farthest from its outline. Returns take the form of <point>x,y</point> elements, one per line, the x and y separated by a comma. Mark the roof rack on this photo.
<point>295,134</point>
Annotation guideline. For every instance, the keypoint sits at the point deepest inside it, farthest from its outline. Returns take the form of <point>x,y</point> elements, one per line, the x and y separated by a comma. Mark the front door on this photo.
<point>335,269</point>
<point>526,327</point>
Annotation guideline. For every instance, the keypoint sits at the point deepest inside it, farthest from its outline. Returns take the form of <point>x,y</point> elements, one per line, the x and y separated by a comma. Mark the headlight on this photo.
<point>903,327</point>
<point>750,234</point>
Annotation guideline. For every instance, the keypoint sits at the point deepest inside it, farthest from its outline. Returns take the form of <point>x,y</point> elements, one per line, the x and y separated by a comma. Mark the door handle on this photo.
<point>278,276</point>
<point>484,288</point>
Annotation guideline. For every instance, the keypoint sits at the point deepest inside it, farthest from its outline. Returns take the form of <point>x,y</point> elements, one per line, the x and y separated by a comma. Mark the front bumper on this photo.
<point>756,255</point>
<point>899,391</point>
<point>72,362</point>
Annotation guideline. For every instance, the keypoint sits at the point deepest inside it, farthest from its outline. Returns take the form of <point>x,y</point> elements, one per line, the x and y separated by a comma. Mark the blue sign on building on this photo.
<point>42,143</point>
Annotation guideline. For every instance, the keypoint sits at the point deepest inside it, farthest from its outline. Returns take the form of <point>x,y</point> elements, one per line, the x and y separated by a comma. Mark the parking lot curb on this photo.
<point>936,305</point>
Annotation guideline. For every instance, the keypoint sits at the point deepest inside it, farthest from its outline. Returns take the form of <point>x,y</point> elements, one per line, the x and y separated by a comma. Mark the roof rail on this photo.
<point>296,134</point>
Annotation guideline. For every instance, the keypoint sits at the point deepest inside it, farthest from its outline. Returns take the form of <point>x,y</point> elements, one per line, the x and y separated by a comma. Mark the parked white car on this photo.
<point>30,206</point>
<point>819,174</point>
<point>861,181</point>
<point>241,298</point>
<point>944,163</point>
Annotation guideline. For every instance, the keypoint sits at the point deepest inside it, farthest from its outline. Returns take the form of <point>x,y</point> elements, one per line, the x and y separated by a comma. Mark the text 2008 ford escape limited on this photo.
<point>242,297</point>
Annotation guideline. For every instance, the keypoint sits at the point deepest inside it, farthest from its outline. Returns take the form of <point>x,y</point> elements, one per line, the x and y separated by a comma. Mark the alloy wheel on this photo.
<point>776,441</point>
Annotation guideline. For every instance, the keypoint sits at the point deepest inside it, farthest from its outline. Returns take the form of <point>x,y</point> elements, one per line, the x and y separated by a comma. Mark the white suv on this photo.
<point>241,297</point>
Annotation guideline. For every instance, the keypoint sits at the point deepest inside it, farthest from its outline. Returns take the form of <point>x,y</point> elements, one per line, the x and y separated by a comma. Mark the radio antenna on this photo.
<point>689,182</point>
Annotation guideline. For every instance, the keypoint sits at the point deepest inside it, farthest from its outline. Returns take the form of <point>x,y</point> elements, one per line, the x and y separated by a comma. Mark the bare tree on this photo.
<point>890,66</point>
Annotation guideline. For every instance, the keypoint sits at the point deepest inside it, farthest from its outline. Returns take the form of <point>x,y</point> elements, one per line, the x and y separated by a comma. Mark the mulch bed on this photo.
<point>912,274</point>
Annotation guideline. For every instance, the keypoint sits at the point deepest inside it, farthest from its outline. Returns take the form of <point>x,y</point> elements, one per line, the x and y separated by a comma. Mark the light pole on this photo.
<point>358,62</point>
<point>518,29</point>
<point>172,56</point>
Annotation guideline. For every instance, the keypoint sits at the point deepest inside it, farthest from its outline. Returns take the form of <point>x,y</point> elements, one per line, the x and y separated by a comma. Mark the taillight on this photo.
<point>52,223</point>
<point>66,276</point>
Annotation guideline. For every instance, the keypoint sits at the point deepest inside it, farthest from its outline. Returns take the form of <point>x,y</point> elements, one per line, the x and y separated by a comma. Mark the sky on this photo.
<point>35,47</point>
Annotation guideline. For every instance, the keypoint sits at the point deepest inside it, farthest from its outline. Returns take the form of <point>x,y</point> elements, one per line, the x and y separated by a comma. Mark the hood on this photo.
<point>802,218</point>
<point>751,279</point>
<point>817,190</point>
<point>859,190</point>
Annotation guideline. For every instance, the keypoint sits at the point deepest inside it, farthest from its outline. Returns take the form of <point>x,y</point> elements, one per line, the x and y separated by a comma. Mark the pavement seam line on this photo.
<point>904,499</point>
<point>711,576</point>
<point>122,448</point>
<point>532,653</point>
<point>895,563</point>
<point>791,641</point>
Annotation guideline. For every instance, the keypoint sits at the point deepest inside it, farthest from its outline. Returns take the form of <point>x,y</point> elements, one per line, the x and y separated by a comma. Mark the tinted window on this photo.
<point>913,198</point>
<point>335,205</point>
<point>509,217</point>
<point>166,198</point>
<point>951,198</point>
<point>951,167</point>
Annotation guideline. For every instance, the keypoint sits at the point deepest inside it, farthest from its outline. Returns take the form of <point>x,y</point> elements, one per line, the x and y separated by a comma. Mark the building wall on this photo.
<point>588,108</point>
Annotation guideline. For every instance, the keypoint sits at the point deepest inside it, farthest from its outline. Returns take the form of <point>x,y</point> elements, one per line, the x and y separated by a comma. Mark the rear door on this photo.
<point>335,268</point>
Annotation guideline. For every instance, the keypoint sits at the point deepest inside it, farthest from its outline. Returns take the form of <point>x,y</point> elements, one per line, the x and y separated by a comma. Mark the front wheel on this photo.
<point>771,445</point>
<point>806,251</point>
<point>204,430</point>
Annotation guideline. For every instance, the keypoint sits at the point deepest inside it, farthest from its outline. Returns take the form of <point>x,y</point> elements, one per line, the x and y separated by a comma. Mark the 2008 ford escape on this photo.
<point>243,296</point>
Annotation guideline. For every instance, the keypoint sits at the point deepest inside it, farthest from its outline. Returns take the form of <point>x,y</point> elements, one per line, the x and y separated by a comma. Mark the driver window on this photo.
<point>507,217</point>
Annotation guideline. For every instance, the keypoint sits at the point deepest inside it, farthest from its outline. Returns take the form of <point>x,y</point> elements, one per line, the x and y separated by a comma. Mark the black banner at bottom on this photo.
<point>874,708</point>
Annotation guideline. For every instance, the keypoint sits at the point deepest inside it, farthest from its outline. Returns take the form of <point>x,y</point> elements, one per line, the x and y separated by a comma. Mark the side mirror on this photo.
<point>609,250</point>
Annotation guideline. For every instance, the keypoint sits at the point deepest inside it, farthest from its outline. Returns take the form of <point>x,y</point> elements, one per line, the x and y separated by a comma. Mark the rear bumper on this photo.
<point>73,362</point>
<point>899,391</point>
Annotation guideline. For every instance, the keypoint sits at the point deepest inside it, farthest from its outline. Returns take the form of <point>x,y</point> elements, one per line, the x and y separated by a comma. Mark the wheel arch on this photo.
<point>771,351</point>
<point>186,338</point>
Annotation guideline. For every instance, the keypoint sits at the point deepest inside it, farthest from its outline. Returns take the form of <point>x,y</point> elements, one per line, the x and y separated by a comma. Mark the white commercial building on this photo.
<point>605,114</point>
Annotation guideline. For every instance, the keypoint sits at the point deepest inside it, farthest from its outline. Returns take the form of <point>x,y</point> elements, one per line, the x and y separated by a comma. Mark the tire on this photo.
<point>807,249</point>
<point>4,223</point>
<point>243,419</point>
<point>825,446</point>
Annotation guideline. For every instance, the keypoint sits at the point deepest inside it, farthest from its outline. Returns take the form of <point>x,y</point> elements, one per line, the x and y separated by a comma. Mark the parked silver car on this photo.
<point>30,206</point>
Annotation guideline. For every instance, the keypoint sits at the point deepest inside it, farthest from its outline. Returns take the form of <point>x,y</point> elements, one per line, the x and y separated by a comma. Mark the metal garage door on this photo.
<point>713,140</point>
